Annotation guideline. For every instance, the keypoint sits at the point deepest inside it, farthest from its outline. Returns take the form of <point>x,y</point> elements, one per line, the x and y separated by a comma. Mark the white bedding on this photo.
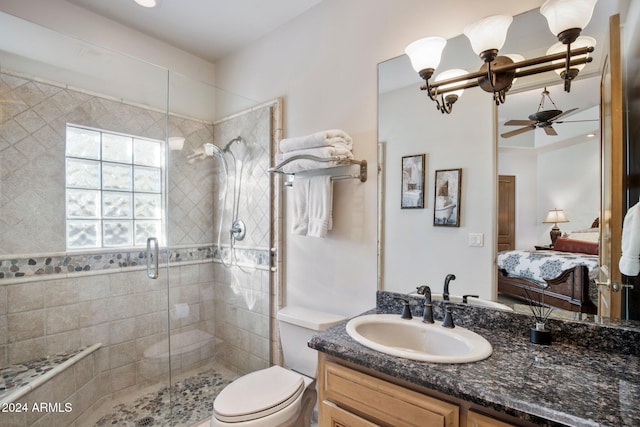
<point>540,265</point>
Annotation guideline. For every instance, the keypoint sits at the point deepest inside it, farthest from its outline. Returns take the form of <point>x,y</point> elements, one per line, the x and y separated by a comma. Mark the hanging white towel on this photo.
<point>630,260</point>
<point>320,205</point>
<point>318,139</point>
<point>300,195</point>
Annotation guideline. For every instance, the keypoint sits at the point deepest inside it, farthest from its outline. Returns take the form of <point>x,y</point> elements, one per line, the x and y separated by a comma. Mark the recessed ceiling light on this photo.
<point>147,3</point>
<point>591,135</point>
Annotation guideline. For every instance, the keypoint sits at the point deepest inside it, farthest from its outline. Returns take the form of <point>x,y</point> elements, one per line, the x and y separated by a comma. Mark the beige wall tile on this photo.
<point>61,319</point>
<point>27,325</point>
<point>123,377</point>
<point>25,297</point>
<point>22,351</point>
<point>62,342</point>
<point>60,292</point>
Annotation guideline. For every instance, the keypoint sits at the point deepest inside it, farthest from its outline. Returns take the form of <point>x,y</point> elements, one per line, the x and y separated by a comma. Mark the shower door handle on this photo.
<point>152,258</point>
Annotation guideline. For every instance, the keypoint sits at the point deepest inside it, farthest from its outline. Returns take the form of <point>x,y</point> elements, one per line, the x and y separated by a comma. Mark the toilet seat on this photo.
<point>258,394</point>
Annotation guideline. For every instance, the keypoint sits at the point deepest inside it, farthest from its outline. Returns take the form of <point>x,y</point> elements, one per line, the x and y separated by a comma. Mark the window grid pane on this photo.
<point>105,191</point>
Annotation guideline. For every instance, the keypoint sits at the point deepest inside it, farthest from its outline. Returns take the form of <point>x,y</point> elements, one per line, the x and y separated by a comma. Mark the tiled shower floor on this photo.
<point>192,396</point>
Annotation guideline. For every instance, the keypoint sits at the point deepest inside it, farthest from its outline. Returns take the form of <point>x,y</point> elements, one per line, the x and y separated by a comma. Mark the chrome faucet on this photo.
<point>427,316</point>
<point>445,292</point>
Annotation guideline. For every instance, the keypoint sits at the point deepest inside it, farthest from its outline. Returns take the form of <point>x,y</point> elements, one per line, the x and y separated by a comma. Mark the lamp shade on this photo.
<point>425,53</point>
<point>555,216</point>
<point>567,14</point>
<point>558,47</point>
<point>450,74</point>
<point>488,33</point>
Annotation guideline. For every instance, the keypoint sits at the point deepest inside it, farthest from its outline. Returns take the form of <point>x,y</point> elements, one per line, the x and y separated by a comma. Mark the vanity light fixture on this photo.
<point>566,19</point>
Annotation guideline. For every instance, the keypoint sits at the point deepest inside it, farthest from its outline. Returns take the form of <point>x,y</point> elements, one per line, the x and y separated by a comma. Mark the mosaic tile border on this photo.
<point>47,267</point>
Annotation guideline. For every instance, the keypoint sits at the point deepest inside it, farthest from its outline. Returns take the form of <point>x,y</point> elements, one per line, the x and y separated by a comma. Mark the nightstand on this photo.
<point>543,247</point>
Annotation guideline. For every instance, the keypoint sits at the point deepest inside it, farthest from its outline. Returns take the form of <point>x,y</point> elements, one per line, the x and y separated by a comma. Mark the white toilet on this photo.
<point>277,396</point>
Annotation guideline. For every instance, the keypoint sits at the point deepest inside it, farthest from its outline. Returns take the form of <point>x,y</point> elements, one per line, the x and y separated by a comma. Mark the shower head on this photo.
<point>212,150</point>
<point>237,139</point>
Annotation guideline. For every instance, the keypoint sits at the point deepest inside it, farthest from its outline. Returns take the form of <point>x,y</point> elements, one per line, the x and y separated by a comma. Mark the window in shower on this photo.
<point>114,189</point>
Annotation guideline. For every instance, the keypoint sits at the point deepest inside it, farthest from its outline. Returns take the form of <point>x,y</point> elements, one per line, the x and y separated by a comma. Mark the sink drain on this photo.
<point>146,421</point>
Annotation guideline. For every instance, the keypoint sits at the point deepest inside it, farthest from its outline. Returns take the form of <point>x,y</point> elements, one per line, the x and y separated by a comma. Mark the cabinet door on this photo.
<point>332,416</point>
<point>382,401</point>
<point>478,420</point>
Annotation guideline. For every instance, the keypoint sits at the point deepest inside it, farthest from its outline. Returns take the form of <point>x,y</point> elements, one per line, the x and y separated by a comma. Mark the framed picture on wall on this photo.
<point>412,191</point>
<point>446,207</point>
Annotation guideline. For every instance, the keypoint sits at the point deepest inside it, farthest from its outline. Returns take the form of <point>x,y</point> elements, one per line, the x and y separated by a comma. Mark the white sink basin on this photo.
<point>412,339</point>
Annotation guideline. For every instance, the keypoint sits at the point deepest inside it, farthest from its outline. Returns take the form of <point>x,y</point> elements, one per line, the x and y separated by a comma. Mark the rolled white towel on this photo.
<point>630,260</point>
<point>300,165</point>
<point>318,139</point>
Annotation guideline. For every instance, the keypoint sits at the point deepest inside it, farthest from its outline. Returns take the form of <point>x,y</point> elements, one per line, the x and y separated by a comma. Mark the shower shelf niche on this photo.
<point>339,161</point>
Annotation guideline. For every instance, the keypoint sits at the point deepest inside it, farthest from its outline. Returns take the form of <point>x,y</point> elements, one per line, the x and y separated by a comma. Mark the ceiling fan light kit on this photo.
<point>566,19</point>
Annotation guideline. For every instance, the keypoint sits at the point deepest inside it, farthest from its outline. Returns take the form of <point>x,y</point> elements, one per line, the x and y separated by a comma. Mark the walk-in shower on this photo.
<point>87,170</point>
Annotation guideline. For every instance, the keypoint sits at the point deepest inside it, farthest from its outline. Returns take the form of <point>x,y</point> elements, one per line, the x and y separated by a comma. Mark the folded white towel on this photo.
<point>320,205</point>
<point>630,260</point>
<point>300,196</point>
<point>299,165</point>
<point>318,139</point>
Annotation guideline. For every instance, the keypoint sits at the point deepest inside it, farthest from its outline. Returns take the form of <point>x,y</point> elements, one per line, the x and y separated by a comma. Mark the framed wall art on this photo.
<point>412,191</point>
<point>446,207</point>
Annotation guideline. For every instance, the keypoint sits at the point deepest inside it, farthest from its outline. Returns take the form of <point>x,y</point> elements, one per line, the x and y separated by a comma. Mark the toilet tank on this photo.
<point>297,326</point>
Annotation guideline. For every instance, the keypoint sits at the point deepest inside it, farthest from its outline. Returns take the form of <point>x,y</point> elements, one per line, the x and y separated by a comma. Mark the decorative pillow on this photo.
<point>578,246</point>
<point>588,235</point>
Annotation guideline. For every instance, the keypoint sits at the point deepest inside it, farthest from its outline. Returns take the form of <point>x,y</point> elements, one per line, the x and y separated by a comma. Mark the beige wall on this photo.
<point>324,64</point>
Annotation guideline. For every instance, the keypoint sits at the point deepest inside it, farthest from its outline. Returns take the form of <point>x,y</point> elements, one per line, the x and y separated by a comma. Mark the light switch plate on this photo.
<point>476,239</point>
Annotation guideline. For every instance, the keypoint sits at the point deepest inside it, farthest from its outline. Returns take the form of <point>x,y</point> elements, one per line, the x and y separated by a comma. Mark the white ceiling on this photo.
<point>208,29</point>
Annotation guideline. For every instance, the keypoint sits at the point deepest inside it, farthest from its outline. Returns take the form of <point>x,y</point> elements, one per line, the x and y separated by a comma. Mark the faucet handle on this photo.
<point>447,322</point>
<point>406,308</point>
<point>464,298</point>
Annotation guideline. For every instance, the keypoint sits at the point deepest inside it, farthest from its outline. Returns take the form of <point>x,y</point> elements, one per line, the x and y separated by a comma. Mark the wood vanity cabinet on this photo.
<point>352,398</point>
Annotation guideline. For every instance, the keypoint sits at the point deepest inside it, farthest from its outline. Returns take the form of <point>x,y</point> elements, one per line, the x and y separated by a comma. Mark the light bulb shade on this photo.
<point>555,216</point>
<point>147,3</point>
<point>425,53</point>
<point>558,47</point>
<point>567,14</point>
<point>450,74</point>
<point>488,33</point>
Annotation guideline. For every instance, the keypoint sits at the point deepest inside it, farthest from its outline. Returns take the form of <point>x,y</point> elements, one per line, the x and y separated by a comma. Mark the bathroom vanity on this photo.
<point>589,376</point>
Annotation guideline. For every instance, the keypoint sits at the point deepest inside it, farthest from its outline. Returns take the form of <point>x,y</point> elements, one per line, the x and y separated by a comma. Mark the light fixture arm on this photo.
<point>521,68</point>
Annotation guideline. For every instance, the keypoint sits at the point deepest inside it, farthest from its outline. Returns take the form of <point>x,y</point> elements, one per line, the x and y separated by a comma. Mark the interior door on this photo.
<point>609,302</point>
<point>506,213</point>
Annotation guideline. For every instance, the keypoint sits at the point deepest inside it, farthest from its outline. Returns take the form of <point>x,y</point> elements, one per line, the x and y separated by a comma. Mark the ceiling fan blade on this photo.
<point>577,121</point>
<point>517,131</point>
<point>518,123</point>
<point>564,113</point>
<point>549,130</point>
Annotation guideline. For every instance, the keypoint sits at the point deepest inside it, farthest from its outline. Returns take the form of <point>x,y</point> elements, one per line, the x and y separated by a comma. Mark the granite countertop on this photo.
<point>560,384</point>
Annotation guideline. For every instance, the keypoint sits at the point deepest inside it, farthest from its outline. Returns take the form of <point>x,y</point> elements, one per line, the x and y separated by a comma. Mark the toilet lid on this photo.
<point>258,394</point>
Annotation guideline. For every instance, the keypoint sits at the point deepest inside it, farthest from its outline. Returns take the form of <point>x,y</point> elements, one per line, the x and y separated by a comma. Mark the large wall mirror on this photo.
<point>554,168</point>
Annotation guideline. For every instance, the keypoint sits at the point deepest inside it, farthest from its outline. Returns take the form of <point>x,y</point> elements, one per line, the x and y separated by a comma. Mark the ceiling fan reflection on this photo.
<point>542,118</point>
